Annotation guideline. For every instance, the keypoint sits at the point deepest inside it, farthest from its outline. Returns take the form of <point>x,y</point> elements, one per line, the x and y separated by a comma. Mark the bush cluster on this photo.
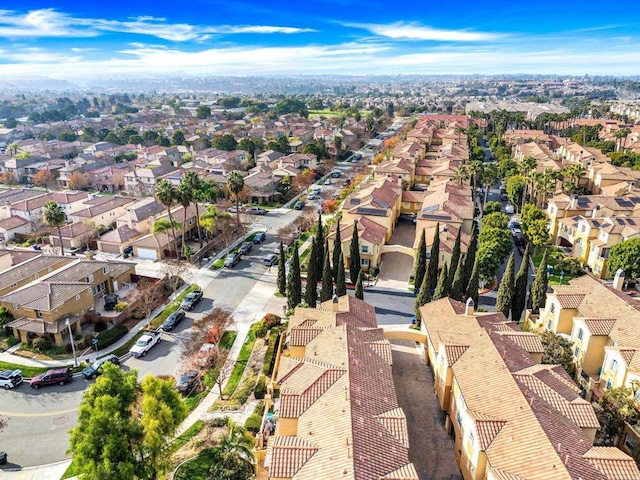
<point>260,389</point>
<point>109,337</point>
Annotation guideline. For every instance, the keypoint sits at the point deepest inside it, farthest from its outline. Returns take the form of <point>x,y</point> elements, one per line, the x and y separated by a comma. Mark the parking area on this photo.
<point>396,268</point>
<point>431,449</point>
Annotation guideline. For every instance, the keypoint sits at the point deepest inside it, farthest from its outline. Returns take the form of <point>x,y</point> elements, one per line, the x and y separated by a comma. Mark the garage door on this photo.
<point>147,253</point>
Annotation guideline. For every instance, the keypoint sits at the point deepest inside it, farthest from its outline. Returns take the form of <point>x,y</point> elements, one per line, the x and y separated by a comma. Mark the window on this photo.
<point>580,334</point>
<point>614,366</point>
<point>471,439</point>
<point>364,262</point>
<point>16,306</point>
<point>365,249</point>
<point>552,309</point>
<point>609,383</point>
<point>459,419</point>
<point>89,279</point>
<point>549,325</point>
<point>576,351</point>
<point>38,314</point>
<point>77,297</point>
<point>105,270</point>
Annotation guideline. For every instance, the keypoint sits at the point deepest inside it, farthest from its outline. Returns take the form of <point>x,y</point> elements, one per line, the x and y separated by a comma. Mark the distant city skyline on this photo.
<point>71,39</point>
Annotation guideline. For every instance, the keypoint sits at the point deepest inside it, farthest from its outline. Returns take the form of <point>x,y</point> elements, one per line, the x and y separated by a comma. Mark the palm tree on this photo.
<point>236,442</point>
<point>574,172</point>
<point>184,198</point>
<point>489,176</point>
<point>459,131</point>
<point>475,168</point>
<point>545,185</point>
<point>621,134</point>
<point>167,195</point>
<point>13,148</point>
<point>526,165</point>
<point>461,175</point>
<point>164,225</point>
<point>208,219</point>
<point>54,216</point>
<point>194,183</point>
<point>235,182</point>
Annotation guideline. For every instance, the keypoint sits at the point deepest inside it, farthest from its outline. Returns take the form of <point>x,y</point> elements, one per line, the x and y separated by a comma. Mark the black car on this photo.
<point>173,320</point>
<point>232,260</point>
<point>95,369</point>
<point>245,248</point>
<point>187,381</point>
<point>299,205</point>
<point>259,237</point>
<point>191,300</point>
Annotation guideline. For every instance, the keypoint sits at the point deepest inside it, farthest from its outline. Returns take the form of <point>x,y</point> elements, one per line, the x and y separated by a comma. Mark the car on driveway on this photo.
<point>245,248</point>
<point>513,224</point>
<point>95,369</point>
<point>259,237</point>
<point>173,320</point>
<point>234,209</point>
<point>50,377</point>
<point>256,211</point>
<point>509,209</point>
<point>232,260</point>
<point>191,300</point>
<point>10,378</point>
<point>187,381</point>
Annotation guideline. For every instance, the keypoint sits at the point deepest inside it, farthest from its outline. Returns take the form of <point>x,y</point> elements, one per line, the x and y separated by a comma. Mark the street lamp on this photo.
<point>73,344</point>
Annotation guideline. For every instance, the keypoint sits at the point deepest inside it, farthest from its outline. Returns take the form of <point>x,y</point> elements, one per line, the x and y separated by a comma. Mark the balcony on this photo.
<point>589,382</point>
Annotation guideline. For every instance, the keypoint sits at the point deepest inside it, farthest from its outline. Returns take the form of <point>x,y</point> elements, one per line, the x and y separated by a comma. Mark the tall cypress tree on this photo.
<point>434,256</point>
<point>337,252</point>
<point>520,291</point>
<point>359,293</point>
<point>538,293</point>
<point>354,255</point>
<point>455,257</point>
<point>442,288</point>
<point>341,286</point>
<point>424,297</point>
<point>282,274</point>
<point>294,282</point>
<point>313,275</point>
<point>421,264</point>
<point>470,258</point>
<point>474,283</point>
<point>505,290</point>
<point>319,245</point>
<point>327,279</point>
<point>456,285</point>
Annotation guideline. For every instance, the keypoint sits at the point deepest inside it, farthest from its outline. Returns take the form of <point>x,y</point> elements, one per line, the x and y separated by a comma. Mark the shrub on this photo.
<point>109,337</point>
<point>259,391</point>
<point>40,344</point>
<point>269,356</point>
<point>261,330</point>
<point>253,424</point>
<point>570,265</point>
<point>271,320</point>
<point>120,306</point>
<point>12,341</point>
<point>218,422</point>
<point>100,326</point>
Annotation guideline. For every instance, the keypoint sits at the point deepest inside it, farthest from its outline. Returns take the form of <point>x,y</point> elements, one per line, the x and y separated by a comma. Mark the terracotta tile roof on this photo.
<point>613,463</point>
<point>45,296</point>
<point>570,300</point>
<point>13,222</point>
<point>454,352</point>
<point>600,326</point>
<point>487,431</point>
<point>289,455</point>
<point>528,341</point>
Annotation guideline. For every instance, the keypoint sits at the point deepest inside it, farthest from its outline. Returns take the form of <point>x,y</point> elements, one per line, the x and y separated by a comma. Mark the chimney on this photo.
<point>334,304</point>
<point>594,213</point>
<point>631,185</point>
<point>618,279</point>
<point>89,255</point>
<point>469,307</point>
<point>574,201</point>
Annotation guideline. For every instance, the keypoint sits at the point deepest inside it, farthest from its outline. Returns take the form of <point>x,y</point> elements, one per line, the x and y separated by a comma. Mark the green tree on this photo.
<point>474,283</point>
<point>515,190</point>
<point>282,272</point>
<point>442,288</point>
<point>341,286</point>
<point>506,288</point>
<point>557,351</point>
<point>359,293</point>
<point>177,138</point>
<point>327,279</point>
<point>313,275</point>
<point>538,289</point>
<point>184,196</point>
<point>455,257</point>
<point>294,282</point>
<point>470,258</point>
<point>224,142</point>
<point>423,297</point>
<point>519,300</point>
<point>194,185</point>
<point>337,252</point>
<point>167,195</point>
<point>320,245</point>
<point>457,283</point>
<point>434,257</point>
<point>420,266</point>
<point>494,220</point>
<point>354,254</point>
<point>235,183</point>
<point>492,207</point>
<point>203,111</point>
<point>54,216</point>
<point>538,232</point>
<point>617,407</point>
<point>11,123</point>
<point>625,256</point>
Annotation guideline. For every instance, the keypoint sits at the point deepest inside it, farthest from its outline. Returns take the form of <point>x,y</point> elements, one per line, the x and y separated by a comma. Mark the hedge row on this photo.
<point>111,336</point>
<point>269,356</point>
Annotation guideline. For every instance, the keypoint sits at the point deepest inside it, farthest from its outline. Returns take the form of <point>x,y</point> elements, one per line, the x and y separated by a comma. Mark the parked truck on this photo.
<point>146,343</point>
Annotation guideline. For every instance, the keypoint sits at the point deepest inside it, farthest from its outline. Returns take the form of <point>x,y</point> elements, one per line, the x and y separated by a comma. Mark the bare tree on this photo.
<point>147,298</point>
<point>177,272</point>
<point>207,330</point>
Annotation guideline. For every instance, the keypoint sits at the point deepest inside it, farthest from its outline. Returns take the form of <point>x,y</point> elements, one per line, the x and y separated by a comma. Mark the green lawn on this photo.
<point>173,306</point>
<point>28,372</point>
<point>554,257</point>
<point>241,362</point>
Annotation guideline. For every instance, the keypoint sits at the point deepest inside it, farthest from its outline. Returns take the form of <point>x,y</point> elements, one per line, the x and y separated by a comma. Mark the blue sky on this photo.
<point>69,39</point>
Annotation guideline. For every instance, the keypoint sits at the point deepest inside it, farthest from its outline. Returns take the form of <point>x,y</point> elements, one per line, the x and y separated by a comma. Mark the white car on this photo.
<point>509,209</point>
<point>312,195</point>
<point>10,378</point>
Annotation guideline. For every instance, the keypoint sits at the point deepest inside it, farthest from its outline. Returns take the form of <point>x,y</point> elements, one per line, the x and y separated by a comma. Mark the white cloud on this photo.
<point>51,23</point>
<point>413,31</point>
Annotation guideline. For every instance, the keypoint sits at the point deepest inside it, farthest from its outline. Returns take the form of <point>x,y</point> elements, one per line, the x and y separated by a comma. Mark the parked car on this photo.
<point>128,250</point>
<point>518,239</point>
<point>271,259</point>
<point>256,211</point>
<point>187,381</point>
<point>110,301</point>
<point>336,174</point>
<point>504,197</point>
<point>145,343</point>
<point>509,209</point>
<point>513,224</point>
<point>234,209</point>
<point>95,369</point>
<point>312,195</point>
<point>259,237</point>
<point>3,458</point>
<point>299,205</point>
<point>173,320</point>
<point>328,181</point>
<point>347,182</point>
<point>58,375</point>
<point>191,300</point>
<point>516,231</point>
<point>10,378</point>
<point>232,260</point>
<point>245,248</point>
